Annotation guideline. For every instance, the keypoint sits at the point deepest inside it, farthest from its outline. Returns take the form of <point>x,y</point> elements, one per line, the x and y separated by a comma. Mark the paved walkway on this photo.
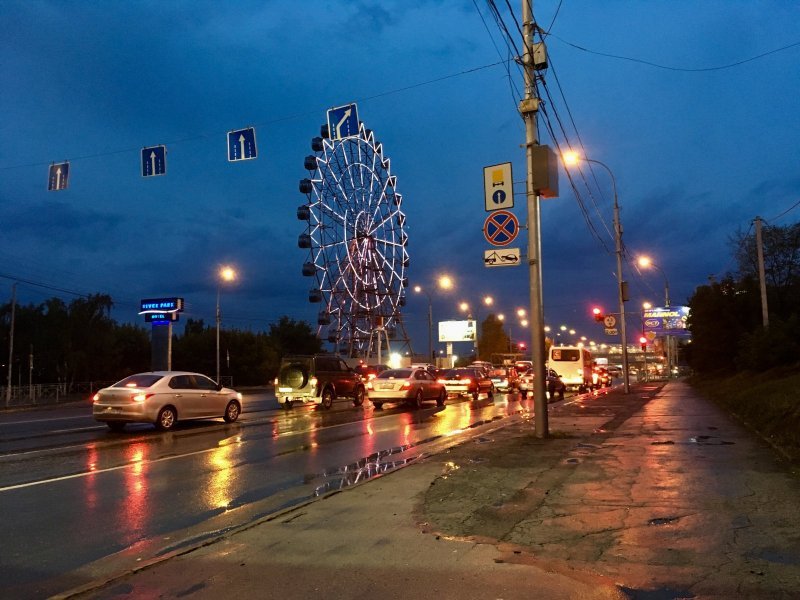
<point>653,495</point>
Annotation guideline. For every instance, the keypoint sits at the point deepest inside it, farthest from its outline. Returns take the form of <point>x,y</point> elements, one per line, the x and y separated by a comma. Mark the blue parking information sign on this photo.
<point>154,161</point>
<point>242,144</point>
<point>58,177</point>
<point>343,122</point>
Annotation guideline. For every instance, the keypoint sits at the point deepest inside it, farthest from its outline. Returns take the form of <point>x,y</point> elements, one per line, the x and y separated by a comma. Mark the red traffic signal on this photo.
<point>598,313</point>
<point>643,342</point>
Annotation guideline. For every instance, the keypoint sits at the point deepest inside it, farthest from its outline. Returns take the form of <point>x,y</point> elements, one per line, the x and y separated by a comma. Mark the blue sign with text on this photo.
<point>154,161</point>
<point>242,144</point>
<point>160,305</point>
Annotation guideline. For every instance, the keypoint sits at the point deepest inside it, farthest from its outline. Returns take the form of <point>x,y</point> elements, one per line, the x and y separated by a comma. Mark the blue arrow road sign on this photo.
<point>58,177</point>
<point>343,122</point>
<point>154,161</point>
<point>242,144</point>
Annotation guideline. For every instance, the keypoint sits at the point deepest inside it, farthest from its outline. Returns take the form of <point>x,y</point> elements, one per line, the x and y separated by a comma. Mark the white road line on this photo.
<point>129,465</point>
<point>9,423</point>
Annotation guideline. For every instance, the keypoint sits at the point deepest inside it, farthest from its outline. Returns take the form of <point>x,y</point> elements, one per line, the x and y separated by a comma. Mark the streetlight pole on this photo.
<point>644,261</point>
<point>11,342</point>
<point>419,289</point>
<point>225,274</point>
<point>219,319</point>
<point>572,158</point>
<point>528,108</point>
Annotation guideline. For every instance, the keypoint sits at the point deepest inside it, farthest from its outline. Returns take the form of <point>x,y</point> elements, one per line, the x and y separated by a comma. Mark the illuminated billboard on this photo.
<point>457,331</point>
<point>670,320</point>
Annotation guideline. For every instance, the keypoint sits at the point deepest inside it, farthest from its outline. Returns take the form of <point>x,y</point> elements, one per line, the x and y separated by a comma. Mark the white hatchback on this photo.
<point>164,397</point>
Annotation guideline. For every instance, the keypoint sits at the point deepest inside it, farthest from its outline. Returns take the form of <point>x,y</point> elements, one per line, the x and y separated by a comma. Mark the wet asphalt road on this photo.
<point>74,494</point>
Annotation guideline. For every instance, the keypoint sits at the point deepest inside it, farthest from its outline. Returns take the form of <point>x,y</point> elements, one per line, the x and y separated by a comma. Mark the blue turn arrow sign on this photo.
<point>343,122</point>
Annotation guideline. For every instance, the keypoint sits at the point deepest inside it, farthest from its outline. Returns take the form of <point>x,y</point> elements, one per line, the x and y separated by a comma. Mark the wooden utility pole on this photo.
<point>761,277</point>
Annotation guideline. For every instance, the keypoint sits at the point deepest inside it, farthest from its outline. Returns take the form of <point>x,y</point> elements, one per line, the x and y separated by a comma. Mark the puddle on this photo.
<point>664,443</point>
<point>709,440</point>
<point>662,520</point>
<point>663,593</point>
<point>483,440</point>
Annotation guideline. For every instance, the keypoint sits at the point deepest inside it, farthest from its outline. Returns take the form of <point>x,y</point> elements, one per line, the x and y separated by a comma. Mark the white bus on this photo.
<point>574,364</point>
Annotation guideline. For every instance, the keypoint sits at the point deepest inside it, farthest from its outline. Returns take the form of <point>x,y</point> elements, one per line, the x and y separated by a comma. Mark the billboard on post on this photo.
<point>669,320</point>
<point>457,331</point>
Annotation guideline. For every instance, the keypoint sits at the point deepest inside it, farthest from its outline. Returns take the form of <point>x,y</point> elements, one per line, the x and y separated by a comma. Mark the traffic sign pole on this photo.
<point>528,108</point>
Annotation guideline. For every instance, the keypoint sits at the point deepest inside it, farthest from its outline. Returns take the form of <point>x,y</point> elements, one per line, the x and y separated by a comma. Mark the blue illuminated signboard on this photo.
<point>242,144</point>
<point>343,122</point>
<point>670,320</point>
<point>161,317</point>
<point>154,161</point>
<point>58,177</point>
<point>160,305</point>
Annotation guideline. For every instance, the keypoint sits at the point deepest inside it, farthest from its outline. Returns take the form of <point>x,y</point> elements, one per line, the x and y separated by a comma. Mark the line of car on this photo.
<point>164,397</point>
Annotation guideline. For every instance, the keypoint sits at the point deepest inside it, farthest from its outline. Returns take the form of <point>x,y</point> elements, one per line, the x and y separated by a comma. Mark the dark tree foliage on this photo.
<point>80,342</point>
<point>493,339</point>
<point>725,319</point>
<point>249,358</point>
<point>74,342</point>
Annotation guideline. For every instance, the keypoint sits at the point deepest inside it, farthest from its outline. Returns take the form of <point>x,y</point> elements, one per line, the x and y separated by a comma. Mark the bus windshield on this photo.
<point>566,354</point>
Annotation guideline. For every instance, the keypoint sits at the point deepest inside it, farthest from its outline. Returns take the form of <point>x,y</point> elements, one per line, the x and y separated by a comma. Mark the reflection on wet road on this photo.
<point>135,494</point>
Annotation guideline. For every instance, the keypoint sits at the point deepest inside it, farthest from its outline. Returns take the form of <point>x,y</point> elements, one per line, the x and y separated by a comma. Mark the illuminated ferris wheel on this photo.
<point>355,236</point>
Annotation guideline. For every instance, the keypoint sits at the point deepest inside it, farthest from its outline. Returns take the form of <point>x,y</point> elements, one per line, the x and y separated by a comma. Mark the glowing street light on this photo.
<point>226,274</point>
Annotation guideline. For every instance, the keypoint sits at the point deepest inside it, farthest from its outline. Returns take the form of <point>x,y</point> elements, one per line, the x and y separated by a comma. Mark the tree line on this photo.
<point>79,341</point>
<point>726,319</point>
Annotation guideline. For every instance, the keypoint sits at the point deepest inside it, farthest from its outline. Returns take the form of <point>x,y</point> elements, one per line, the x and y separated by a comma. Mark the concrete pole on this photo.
<point>219,319</point>
<point>528,108</point>
<point>11,341</point>
<point>620,287</point>
<point>761,276</point>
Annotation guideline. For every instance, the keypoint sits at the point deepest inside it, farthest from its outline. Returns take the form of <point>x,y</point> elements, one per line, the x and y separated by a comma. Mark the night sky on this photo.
<point>698,148</point>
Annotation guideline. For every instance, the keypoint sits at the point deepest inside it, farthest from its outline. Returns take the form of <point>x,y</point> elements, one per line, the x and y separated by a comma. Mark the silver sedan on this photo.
<point>406,385</point>
<point>163,397</point>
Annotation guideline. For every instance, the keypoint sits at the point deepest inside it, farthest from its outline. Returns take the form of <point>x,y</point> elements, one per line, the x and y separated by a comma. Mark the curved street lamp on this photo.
<point>571,159</point>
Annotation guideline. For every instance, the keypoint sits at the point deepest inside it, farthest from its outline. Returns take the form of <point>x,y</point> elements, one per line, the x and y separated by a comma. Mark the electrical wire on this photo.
<point>681,69</point>
<point>266,123</point>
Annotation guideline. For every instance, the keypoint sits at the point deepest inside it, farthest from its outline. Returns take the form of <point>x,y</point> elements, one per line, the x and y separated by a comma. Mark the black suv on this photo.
<point>318,378</point>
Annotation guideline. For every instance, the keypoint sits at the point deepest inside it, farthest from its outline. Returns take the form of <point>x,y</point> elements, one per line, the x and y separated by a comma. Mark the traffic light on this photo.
<point>643,342</point>
<point>598,314</point>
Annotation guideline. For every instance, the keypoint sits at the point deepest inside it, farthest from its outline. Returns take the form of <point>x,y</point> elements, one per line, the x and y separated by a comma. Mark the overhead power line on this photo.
<point>670,68</point>
<point>198,136</point>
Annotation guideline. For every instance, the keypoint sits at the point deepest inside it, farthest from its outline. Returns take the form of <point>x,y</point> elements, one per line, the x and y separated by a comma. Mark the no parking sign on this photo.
<point>500,228</point>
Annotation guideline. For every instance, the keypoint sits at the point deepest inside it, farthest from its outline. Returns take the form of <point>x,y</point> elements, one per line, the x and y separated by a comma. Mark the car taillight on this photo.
<point>96,398</point>
<point>371,376</point>
<point>369,385</point>
<point>466,381</point>
<point>140,397</point>
<point>406,385</point>
<point>275,383</point>
<point>441,381</point>
<point>313,382</point>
